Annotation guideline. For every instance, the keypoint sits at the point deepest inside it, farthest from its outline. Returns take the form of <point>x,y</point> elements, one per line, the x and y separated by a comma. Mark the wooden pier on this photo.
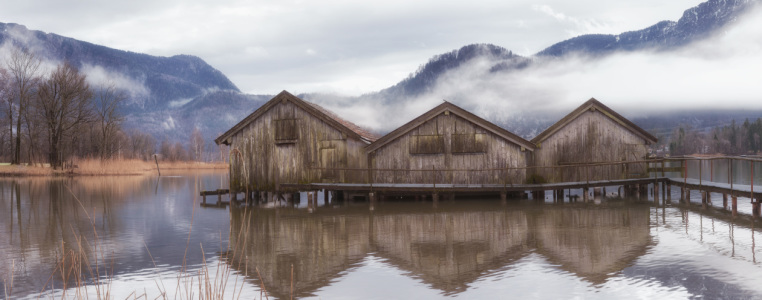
<point>219,193</point>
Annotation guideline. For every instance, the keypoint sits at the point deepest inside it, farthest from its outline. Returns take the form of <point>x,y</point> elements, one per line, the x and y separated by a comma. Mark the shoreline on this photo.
<point>106,168</point>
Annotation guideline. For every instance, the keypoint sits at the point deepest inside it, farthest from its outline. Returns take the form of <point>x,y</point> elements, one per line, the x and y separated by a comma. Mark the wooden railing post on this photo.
<point>662,168</point>
<point>701,175</point>
<point>731,176</point>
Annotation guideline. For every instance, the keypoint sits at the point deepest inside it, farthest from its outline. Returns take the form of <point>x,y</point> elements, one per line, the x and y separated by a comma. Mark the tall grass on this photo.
<point>98,167</point>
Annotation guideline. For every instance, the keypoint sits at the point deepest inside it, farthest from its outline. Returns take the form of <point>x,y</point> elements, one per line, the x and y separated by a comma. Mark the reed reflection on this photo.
<point>53,226</point>
<point>447,248</point>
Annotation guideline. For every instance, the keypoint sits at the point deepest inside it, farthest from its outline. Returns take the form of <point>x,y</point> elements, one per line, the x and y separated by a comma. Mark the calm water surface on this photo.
<point>154,237</point>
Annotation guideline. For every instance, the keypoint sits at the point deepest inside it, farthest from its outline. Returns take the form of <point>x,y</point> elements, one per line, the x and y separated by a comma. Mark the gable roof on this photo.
<point>349,128</point>
<point>452,108</point>
<point>594,104</point>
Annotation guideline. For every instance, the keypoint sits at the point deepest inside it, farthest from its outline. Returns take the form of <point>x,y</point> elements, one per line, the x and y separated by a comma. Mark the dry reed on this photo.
<point>78,271</point>
<point>98,167</point>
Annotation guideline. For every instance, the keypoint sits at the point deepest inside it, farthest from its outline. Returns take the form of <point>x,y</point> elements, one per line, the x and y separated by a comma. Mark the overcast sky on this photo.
<point>348,47</point>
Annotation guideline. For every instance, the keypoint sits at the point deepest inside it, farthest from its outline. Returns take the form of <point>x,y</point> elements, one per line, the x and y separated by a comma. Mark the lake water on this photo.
<point>149,237</point>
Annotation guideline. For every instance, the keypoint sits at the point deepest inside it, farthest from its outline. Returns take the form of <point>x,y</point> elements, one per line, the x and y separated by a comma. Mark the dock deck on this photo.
<point>466,188</point>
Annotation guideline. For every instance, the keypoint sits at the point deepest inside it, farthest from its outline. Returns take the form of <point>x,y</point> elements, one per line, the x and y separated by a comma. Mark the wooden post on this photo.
<point>701,164</point>
<point>755,208</point>
<point>372,200</point>
<point>560,195</point>
<point>203,195</point>
<point>709,198</point>
<point>730,175</point>
<point>682,194</point>
<point>725,201</point>
<point>685,176</point>
<point>435,199</point>
<point>656,192</point>
<point>664,190</point>
<point>669,192</point>
<point>703,199</point>
<point>325,198</point>
<point>584,194</point>
<point>730,163</point>
<point>157,164</point>
<point>503,198</point>
<point>662,168</point>
<point>687,196</point>
<point>219,198</point>
<point>637,190</point>
<point>752,181</point>
<point>734,204</point>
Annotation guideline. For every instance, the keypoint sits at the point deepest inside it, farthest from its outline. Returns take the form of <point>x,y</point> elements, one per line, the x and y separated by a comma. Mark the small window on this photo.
<point>426,144</point>
<point>468,143</point>
<point>285,131</point>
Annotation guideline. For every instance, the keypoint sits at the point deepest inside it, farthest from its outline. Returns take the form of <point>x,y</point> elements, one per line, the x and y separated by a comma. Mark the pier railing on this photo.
<point>730,170</point>
<point>583,172</point>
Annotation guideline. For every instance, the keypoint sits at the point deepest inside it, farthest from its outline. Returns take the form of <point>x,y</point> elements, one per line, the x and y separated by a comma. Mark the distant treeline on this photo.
<point>57,116</point>
<point>731,139</point>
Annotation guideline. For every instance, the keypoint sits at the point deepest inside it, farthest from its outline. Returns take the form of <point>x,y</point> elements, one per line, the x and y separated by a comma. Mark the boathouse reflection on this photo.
<point>448,248</point>
<point>593,242</point>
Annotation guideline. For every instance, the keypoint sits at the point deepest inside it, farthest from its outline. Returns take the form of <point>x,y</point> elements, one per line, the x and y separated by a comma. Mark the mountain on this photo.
<point>469,75</point>
<point>696,23</point>
<point>426,76</point>
<point>169,96</point>
<point>152,82</point>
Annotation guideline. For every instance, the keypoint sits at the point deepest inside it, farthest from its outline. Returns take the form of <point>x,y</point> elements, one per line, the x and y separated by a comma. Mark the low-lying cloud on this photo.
<point>720,73</point>
<point>101,77</point>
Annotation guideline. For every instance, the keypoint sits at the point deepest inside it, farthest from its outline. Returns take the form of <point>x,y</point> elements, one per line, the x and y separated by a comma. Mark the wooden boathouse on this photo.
<point>591,134</point>
<point>449,145</point>
<point>289,140</point>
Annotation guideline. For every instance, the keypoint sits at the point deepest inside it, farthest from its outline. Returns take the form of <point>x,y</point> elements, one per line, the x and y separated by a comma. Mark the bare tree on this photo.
<point>64,103</point>
<point>6,98</point>
<point>197,144</point>
<point>109,118</point>
<point>23,66</point>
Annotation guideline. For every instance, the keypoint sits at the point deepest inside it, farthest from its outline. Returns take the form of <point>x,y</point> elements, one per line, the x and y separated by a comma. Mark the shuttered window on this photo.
<point>427,144</point>
<point>468,143</point>
<point>285,131</point>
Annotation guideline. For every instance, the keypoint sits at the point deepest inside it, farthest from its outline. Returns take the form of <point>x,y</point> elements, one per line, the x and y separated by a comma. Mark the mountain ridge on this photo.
<point>169,96</point>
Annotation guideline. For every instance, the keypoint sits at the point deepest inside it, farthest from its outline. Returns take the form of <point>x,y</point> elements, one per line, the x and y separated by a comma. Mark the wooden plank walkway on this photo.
<point>741,190</point>
<point>219,193</point>
<point>465,188</point>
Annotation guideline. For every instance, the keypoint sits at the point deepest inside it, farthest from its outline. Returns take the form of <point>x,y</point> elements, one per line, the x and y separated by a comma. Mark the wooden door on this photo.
<point>328,162</point>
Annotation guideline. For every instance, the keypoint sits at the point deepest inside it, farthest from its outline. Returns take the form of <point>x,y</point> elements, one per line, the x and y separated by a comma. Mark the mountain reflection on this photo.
<point>447,248</point>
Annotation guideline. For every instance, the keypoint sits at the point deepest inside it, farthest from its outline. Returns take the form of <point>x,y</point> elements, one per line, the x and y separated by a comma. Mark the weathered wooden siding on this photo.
<point>259,161</point>
<point>443,167</point>
<point>592,137</point>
